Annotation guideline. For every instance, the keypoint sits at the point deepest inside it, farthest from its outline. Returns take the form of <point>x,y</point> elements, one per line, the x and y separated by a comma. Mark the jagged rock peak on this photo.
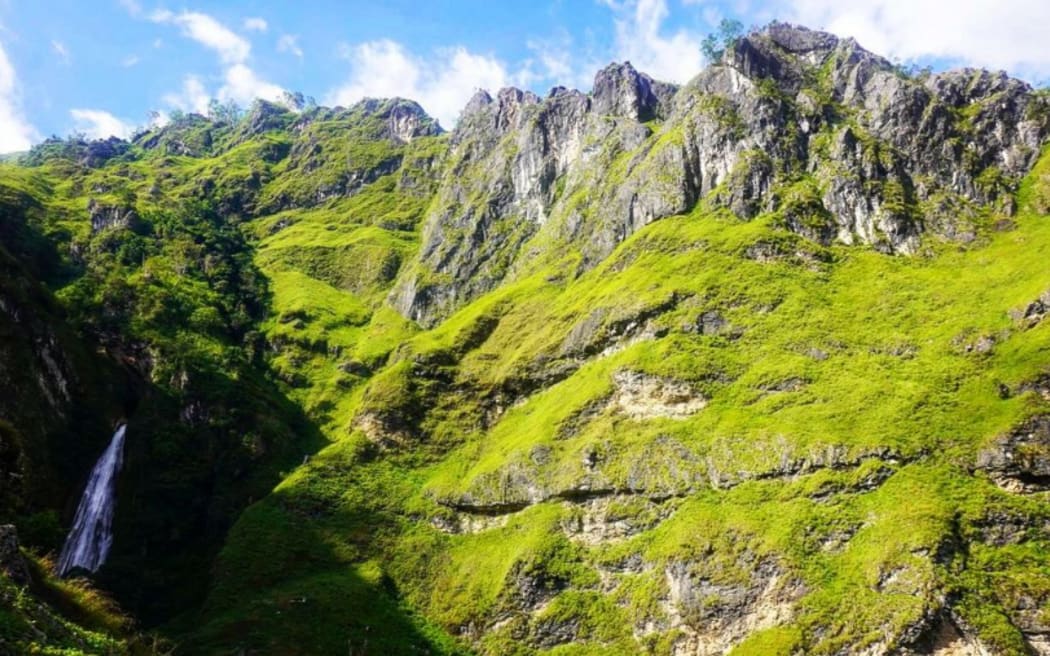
<point>798,39</point>
<point>968,85</point>
<point>619,90</point>
<point>838,144</point>
<point>480,100</point>
<point>405,119</point>
<point>495,115</point>
<point>264,116</point>
<point>783,52</point>
<point>513,96</point>
<point>622,91</point>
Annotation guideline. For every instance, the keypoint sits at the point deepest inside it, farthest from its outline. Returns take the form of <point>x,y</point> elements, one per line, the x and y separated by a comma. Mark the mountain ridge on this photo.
<point>862,105</point>
<point>755,364</point>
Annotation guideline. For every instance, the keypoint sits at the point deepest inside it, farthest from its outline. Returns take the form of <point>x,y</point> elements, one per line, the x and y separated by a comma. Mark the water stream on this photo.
<point>91,536</point>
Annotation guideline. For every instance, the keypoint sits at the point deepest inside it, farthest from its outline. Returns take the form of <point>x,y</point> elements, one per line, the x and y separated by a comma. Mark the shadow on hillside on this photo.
<point>296,580</point>
<point>186,480</point>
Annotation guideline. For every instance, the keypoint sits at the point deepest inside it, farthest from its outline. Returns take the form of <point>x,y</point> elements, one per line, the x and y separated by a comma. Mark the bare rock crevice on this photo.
<point>1019,462</point>
<point>641,396</point>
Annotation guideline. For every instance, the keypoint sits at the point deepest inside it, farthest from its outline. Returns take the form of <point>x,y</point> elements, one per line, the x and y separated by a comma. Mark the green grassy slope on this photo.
<point>849,396</point>
<point>722,436</point>
<point>197,310</point>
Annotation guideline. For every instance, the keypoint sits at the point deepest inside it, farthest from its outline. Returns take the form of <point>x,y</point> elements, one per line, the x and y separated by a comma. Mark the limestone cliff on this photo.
<point>839,143</point>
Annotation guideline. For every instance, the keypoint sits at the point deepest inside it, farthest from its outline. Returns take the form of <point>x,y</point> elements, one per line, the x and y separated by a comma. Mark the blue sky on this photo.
<point>100,66</point>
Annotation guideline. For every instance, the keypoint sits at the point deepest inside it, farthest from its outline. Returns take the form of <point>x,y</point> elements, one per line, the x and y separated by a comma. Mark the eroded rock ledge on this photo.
<point>1020,461</point>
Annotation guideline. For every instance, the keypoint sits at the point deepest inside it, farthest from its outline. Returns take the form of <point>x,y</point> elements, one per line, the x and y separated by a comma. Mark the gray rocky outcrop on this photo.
<point>406,120</point>
<point>713,616</point>
<point>1034,312</point>
<point>97,153</point>
<point>1020,461</point>
<point>621,91</point>
<point>105,216</point>
<point>263,117</point>
<point>838,143</point>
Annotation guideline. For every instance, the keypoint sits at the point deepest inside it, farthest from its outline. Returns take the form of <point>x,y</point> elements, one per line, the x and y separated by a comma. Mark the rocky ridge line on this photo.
<point>837,142</point>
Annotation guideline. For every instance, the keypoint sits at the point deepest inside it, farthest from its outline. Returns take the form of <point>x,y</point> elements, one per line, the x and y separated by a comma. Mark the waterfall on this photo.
<point>92,533</point>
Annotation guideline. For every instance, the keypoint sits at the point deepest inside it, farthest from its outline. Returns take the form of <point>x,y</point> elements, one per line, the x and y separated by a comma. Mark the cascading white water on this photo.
<point>92,533</point>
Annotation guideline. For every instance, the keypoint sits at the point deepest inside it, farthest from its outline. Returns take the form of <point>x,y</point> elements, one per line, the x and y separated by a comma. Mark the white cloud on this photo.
<point>243,86</point>
<point>98,124</point>
<point>210,33</point>
<point>1007,34</point>
<point>555,59</point>
<point>442,84</point>
<point>15,132</point>
<point>193,97</point>
<point>240,83</point>
<point>712,15</point>
<point>131,6</point>
<point>641,39</point>
<point>560,63</point>
<point>290,43</point>
<point>158,118</point>
<point>255,24</point>
<point>129,61</point>
<point>61,50</point>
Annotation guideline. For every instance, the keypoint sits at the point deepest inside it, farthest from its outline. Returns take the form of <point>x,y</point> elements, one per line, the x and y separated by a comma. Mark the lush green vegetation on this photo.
<point>204,318</point>
<point>67,617</point>
<point>478,485</point>
<point>888,383</point>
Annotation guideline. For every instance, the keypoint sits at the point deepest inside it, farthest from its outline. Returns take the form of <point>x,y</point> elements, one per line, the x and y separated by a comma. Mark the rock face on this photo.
<point>264,116</point>
<point>406,120</point>
<point>12,564</point>
<point>511,163</point>
<point>1020,461</point>
<point>621,91</point>
<point>648,397</point>
<point>714,617</point>
<point>105,217</point>
<point>836,141</point>
<point>97,153</point>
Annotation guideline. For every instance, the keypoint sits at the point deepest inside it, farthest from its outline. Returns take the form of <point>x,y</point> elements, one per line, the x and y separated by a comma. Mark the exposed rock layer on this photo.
<point>836,140</point>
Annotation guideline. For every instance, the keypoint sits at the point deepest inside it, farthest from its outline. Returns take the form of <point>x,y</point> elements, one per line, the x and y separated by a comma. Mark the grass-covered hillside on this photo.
<point>136,288</point>
<point>722,436</point>
<point>663,396</point>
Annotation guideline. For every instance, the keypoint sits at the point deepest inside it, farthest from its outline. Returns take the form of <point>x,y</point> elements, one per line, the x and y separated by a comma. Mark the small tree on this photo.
<point>219,112</point>
<point>714,44</point>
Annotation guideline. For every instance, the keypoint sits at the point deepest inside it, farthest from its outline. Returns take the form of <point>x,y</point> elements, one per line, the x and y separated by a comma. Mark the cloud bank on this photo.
<point>15,131</point>
<point>241,84</point>
<point>99,124</point>
<point>1002,34</point>
<point>442,84</point>
<point>642,39</point>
